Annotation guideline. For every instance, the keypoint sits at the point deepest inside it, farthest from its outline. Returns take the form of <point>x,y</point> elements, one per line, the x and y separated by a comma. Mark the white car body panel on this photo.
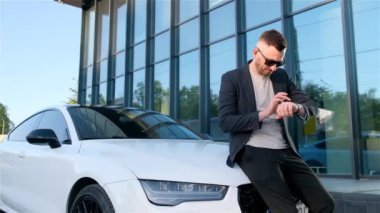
<point>176,160</point>
<point>36,178</point>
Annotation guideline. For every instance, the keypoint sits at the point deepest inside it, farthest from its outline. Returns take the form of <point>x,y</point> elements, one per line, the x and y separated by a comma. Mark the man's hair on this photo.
<point>274,38</point>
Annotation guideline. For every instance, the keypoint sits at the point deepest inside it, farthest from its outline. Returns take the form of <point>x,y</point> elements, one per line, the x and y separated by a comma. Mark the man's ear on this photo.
<point>254,52</point>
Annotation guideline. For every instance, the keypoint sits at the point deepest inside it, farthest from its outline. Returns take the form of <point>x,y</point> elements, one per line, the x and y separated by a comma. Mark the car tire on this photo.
<point>92,198</point>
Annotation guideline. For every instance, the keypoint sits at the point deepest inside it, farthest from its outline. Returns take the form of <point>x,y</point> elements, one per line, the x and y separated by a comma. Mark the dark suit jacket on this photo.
<point>237,106</point>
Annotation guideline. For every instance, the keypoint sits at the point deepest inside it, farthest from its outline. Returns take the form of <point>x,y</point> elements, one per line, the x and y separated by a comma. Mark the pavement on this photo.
<point>354,196</point>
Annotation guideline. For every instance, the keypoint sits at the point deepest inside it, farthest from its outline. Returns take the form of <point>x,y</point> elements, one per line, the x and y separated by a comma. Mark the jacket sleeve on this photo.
<point>298,96</point>
<point>230,120</point>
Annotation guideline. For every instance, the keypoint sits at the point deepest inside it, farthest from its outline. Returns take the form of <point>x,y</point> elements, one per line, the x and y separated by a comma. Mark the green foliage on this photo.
<point>73,99</point>
<point>139,95</point>
<point>5,123</point>
<point>189,103</point>
<point>337,102</point>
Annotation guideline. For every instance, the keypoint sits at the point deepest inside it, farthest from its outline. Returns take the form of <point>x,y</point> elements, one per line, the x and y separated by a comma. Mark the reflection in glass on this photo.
<point>213,3</point>
<point>189,90</point>
<point>161,87</point>
<point>119,87</point>
<point>103,69</point>
<point>301,4</point>
<point>138,96</point>
<point>103,29</point>
<point>259,11</point>
<point>162,15</point>
<point>119,64</point>
<point>222,59</point>
<point>119,122</point>
<point>89,76</point>
<point>222,22</point>
<point>323,140</point>
<point>188,9</point>
<point>162,47</point>
<point>367,46</point>
<point>189,35</point>
<point>253,37</point>
<point>89,96</point>
<point>139,56</point>
<point>119,27</point>
<point>102,99</point>
<point>140,20</point>
<point>89,32</point>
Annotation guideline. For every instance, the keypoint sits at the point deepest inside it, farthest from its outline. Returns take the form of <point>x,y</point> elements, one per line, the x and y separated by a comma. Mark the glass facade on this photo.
<point>169,56</point>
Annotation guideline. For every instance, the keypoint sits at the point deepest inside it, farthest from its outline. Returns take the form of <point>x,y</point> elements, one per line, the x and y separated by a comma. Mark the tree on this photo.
<point>73,99</point>
<point>5,123</point>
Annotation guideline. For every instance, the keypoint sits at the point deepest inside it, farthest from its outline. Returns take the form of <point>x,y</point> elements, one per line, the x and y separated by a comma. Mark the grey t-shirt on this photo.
<point>270,134</point>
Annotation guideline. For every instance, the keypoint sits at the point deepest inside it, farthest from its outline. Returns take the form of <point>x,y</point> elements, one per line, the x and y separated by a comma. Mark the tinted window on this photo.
<point>20,133</point>
<point>107,123</point>
<point>55,121</point>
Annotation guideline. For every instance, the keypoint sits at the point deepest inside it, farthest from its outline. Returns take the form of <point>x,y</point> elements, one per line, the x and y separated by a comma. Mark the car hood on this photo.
<point>170,159</point>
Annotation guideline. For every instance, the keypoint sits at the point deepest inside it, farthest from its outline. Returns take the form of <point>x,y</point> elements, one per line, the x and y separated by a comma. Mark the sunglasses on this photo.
<point>270,62</point>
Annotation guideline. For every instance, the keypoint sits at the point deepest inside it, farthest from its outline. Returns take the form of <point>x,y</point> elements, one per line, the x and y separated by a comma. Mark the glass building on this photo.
<point>169,55</point>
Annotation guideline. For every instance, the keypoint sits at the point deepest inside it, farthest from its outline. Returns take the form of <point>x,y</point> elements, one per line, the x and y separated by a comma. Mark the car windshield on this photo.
<point>119,122</point>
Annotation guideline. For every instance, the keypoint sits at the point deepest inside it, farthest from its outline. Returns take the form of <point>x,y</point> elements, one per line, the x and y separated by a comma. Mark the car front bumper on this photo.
<point>129,196</point>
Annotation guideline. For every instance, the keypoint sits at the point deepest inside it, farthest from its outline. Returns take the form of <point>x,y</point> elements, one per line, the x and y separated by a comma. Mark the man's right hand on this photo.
<point>272,107</point>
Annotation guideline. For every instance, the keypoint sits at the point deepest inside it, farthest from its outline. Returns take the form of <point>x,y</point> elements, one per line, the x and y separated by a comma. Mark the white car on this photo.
<point>113,159</point>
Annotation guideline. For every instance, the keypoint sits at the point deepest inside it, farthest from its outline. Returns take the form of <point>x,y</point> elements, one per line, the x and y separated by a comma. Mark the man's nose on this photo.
<point>273,67</point>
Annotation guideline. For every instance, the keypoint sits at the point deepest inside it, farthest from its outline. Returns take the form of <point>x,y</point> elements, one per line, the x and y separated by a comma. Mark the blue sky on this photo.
<point>39,55</point>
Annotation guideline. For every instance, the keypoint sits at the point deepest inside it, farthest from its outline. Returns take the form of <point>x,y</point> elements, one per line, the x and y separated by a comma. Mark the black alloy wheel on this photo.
<point>92,199</point>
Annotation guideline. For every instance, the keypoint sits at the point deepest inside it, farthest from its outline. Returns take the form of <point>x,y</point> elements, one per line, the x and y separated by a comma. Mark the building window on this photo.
<point>118,75</point>
<point>119,87</point>
<point>222,59</point>
<point>161,87</point>
<point>162,47</point>
<point>103,29</point>
<point>138,96</point>
<point>139,56</point>
<point>102,98</point>
<point>140,20</point>
<point>324,140</point>
<point>162,15</point>
<point>259,11</point>
<point>214,3</point>
<point>119,26</point>
<point>188,9</point>
<point>222,22</point>
<point>301,4</point>
<point>189,35</point>
<point>189,90</point>
<point>89,32</point>
<point>103,70</point>
<point>367,46</point>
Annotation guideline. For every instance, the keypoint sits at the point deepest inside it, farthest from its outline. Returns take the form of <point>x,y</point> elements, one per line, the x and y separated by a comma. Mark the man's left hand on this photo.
<point>286,109</point>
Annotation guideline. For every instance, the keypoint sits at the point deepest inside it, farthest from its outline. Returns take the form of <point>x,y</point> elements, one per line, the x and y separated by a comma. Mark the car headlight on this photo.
<point>170,193</point>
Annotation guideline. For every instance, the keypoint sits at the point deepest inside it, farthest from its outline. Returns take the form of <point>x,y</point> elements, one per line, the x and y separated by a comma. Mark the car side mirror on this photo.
<point>43,137</point>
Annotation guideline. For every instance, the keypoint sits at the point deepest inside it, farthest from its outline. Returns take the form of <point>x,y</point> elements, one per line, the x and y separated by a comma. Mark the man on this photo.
<point>255,102</point>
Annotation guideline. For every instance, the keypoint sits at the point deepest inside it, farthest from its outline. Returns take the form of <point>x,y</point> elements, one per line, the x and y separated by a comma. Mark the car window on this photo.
<point>93,125</point>
<point>107,123</point>
<point>21,131</point>
<point>54,120</point>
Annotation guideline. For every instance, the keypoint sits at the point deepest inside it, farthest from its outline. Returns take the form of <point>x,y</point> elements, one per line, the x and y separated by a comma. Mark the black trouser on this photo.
<point>278,174</point>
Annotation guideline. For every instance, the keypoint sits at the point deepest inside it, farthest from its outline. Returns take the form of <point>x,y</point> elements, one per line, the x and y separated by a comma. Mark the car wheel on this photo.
<point>92,198</point>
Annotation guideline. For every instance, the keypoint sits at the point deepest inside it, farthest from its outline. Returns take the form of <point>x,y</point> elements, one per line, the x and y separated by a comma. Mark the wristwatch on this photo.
<point>299,106</point>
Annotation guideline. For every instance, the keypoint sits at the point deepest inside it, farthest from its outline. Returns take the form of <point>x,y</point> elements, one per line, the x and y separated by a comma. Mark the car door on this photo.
<point>12,164</point>
<point>35,176</point>
<point>49,169</point>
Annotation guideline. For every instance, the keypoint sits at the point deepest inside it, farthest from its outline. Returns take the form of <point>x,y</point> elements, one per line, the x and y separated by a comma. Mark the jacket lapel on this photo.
<point>247,86</point>
<point>277,87</point>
